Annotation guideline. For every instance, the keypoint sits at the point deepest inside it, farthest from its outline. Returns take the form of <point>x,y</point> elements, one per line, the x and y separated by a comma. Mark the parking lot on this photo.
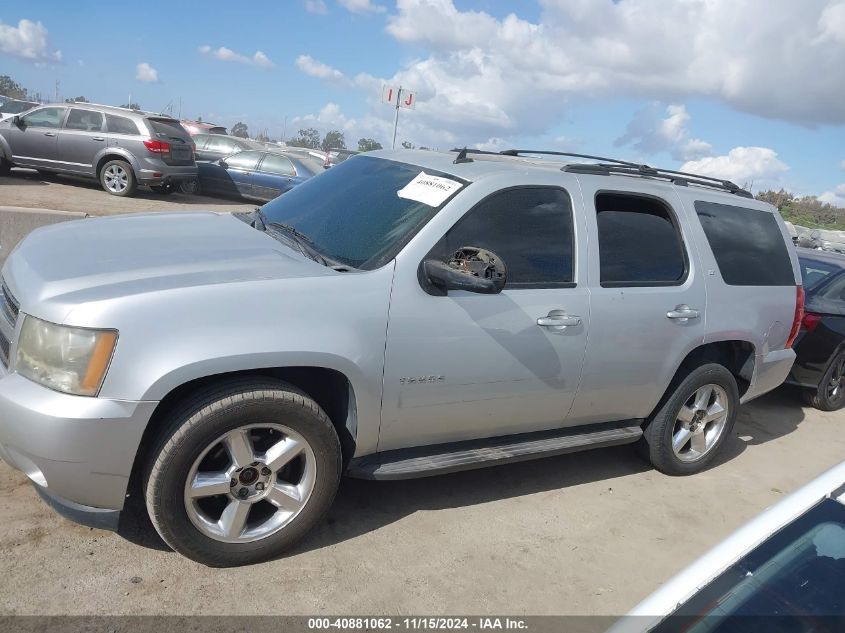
<point>588,533</point>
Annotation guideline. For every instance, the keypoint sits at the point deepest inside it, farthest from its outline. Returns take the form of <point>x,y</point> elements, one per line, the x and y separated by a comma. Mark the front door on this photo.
<point>81,138</point>
<point>466,365</point>
<point>647,296</point>
<point>34,142</point>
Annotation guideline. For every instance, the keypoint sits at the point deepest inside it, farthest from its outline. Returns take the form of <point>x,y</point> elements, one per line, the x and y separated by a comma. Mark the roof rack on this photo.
<point>607,166</point>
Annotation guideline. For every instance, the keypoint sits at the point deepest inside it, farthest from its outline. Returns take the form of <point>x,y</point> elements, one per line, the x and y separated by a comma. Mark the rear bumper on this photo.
<point>157,172</point>
<point>78,451</point>
<point>770,370</point>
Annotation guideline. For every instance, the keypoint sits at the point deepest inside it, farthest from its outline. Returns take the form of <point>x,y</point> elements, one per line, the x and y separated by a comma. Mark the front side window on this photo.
<point>84,120</point>
<point>529,228</point>
<point>121,125</point>
<point>45,117</point>
<point>244,161</point>
<point>353,212</point>
<point>639,242</point>
<point>277,165</point>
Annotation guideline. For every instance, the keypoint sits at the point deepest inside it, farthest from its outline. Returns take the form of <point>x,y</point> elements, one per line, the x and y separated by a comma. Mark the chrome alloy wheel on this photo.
<point>700,423</point>
<point>250,483</point>
<point>836,385</point>
<point>116,178</point>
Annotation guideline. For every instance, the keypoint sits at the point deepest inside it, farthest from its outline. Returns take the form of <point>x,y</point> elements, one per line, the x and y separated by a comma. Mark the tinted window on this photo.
<point>45,117</point>
<point>639,242</point>
<point>121,125</point>
<point>278,165</point>
<point>529,228</point>
<point>352,212</point>
<point>168,128</point>
<point>835,290</point>
<point>814,271</point>
<point>244,161</point>
<point>85,120</point>
<point>747,243</point>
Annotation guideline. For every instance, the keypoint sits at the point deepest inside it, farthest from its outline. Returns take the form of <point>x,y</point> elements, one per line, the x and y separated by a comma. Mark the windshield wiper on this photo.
<point>300,240</point>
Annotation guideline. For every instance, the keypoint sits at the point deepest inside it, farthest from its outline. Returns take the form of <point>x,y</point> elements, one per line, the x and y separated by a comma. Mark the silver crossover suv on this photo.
<point>122,148</point>
<point>403,314</point>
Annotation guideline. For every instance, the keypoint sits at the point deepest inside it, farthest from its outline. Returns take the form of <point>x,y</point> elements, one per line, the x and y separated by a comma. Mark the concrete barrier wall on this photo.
<point>17,222</point>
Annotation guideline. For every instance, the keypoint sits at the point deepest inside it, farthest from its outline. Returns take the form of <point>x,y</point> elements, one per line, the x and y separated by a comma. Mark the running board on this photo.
<point>439,459</point>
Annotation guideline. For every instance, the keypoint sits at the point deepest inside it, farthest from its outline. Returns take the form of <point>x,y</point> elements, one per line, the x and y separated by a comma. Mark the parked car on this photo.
<point>405,314</point>
<point>820,347</point>
<point>211,147</point>
<point>783,571</point>
<point>121,148</point>
<point>258,175</point>
<point>201,127</point>
<point>11,107</point>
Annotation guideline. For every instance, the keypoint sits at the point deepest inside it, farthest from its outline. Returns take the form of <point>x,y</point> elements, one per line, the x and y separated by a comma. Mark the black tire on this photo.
<point>657,436</point>
<point>206,416</point>
<point>163,190</point>
<point>823,397</point>
<point>128,184</point>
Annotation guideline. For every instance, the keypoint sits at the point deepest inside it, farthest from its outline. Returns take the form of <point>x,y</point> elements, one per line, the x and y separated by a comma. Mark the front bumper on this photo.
<point>78,451</point>
<point>770,370</point>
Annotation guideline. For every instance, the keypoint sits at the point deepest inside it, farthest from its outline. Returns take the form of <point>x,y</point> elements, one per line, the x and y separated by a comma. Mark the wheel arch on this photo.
<point>112,153</point>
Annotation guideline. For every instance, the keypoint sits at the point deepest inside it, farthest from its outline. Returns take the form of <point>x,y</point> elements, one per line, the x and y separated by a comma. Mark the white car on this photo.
<point>783,571</point>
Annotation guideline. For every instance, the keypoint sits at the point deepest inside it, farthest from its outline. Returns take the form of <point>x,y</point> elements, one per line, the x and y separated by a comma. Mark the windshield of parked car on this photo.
<point>796,577</point>
<point>16,107</point>
<point>353,213</point>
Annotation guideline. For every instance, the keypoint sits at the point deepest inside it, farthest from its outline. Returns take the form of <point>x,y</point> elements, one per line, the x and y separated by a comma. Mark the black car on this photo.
<point>820,347</point>
<point>211,147</point>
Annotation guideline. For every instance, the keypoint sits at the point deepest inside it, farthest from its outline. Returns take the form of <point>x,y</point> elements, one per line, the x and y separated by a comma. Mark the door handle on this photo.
<point>682,312</point>
<point>49,133</point>
<point>558,319</point>
<point>97,138</point>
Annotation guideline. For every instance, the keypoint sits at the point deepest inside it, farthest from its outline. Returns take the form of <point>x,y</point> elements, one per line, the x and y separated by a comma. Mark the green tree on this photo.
<point>334,139</point>
<point>806,211</point>
<point>240,130</point>
<point>131,106</point>
<point>308,137</point>
<point>407,145</point>
<point>368,145</point>
<point>77,100</point>
<point>10,88</point>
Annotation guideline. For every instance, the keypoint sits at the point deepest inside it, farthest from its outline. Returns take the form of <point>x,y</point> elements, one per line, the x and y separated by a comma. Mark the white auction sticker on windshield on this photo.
<point>430,190</point>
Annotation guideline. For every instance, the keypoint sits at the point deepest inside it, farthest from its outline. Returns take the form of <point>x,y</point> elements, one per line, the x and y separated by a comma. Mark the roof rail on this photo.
<point>606,166</point>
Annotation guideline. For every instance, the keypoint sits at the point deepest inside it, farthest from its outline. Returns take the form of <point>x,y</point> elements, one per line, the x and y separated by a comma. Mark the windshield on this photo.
<point>352,213</point>
<point>16,107</point>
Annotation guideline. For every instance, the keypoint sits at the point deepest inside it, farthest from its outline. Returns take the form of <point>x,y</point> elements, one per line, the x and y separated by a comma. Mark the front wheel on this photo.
<point>830,394</point>
<point>685,433</point>
<point>243,472</point>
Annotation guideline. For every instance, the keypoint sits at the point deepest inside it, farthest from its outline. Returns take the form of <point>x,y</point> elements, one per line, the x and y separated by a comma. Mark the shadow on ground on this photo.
<point>364,506</point>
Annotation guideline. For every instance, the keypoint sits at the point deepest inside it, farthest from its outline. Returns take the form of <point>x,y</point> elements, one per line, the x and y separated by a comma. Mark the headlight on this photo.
<point>68,359</point>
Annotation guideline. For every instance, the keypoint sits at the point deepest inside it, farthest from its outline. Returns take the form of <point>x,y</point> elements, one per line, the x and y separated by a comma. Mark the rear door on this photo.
<point>33,144</point>
<point>274,176</point>
<point>81,138</point>
<point>648,299</point>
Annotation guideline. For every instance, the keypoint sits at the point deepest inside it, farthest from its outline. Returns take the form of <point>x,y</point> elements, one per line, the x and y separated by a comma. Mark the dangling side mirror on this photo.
<point>471,268</point>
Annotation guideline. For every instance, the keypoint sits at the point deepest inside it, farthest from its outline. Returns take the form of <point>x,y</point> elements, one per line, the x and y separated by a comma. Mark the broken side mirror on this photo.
<point>471,268</point>
<point>18,122</point>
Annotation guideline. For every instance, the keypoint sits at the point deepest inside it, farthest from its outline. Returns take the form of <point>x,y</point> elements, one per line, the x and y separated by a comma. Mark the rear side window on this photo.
<point>639,242</point>
<point>121,125</point>
<point>747,243</point>
<point>529,228</point>
<point>278,165</point>
<point>85,120</point>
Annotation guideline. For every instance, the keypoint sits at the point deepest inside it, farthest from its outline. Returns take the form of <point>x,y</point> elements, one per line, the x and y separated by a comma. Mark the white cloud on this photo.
<point>316,6</point>
<point>835,197</point>
<point>742,165</point>
<point>228,55</point>
<point>314,68</point>
<point>650,133</point>
<point>28,41</point>
<point>832,23</point>
<point>145,72</point>
<point>361,6</point>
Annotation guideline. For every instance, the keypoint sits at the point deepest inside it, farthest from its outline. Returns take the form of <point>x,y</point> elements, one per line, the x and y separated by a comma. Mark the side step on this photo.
<point>439,459</point>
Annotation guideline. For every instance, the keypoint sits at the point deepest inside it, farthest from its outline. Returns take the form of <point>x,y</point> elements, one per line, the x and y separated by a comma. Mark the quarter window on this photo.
<point>639,242</point>
<point>530,228</point>
<point>45,117</point>
<point>84,120</point>
<point>121,125</point>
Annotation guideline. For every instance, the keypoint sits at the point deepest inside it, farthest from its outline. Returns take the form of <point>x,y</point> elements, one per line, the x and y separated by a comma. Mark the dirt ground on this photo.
<point>28,188</point>
<point>589,533</point>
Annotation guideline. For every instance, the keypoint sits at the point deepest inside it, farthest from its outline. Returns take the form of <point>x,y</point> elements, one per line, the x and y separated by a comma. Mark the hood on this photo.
<point>103,258</point>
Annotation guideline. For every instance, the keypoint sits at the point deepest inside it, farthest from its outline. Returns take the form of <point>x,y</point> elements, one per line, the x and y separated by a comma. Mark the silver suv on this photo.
<point>403,314</point>
<point>122,148</point>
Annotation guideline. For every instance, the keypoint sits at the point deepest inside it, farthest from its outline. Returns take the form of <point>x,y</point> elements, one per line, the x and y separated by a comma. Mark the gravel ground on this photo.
<point>589,533</point>
<point>28,188</point>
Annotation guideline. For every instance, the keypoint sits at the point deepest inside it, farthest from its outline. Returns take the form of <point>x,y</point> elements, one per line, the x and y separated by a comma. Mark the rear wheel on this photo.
<point>117,177</point>
<point>830,394</point>
<point>686,432</point>
<point>244,471</point>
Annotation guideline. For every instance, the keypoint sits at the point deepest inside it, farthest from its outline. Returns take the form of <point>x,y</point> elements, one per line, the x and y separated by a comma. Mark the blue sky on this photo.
<point>744,89</point>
